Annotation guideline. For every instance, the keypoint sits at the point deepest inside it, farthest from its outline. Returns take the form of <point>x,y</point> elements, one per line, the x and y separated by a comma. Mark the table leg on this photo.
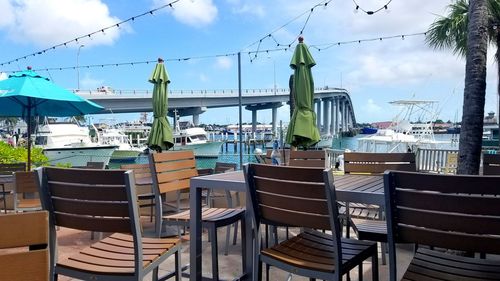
<point>195,234</point>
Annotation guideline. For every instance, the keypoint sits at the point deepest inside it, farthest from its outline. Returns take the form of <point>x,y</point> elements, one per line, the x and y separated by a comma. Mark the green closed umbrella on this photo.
<point>302,130</point>
<point>160,138</point>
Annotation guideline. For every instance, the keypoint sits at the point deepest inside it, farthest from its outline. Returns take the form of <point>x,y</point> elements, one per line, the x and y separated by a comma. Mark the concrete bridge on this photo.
<point>333,106</point>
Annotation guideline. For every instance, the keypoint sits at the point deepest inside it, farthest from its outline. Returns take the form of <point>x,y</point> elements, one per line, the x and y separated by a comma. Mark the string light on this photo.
<point>329,45</point>
<point>370,12</point>
<point>251,54</point>
<point>89,35</point>
<point>323,4</point>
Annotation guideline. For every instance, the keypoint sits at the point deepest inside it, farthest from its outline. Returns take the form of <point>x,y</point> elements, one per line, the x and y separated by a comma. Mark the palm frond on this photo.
<point>450,32</point>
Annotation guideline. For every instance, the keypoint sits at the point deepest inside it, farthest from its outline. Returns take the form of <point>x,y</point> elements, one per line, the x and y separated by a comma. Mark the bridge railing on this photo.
<point>278,91</point>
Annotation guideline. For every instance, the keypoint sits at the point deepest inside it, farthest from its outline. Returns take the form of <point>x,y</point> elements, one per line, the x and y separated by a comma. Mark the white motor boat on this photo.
<point>196,139</point>
<point>125,151</point>
<point>188,137</point>
<point>403,135</point>
<point>67,143</point>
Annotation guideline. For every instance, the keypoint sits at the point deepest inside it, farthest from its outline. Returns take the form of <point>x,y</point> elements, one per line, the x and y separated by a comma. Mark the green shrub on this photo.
<point>9,154</point>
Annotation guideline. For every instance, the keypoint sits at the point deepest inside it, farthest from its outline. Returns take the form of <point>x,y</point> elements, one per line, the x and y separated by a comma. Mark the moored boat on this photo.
<point>67,143</point>
<point>196,139</point>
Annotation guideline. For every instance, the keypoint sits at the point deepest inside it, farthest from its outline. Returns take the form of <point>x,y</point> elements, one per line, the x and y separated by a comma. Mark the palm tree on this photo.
<point>466,31</point>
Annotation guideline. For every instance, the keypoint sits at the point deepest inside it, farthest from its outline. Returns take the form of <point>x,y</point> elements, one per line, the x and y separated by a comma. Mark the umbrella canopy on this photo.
<point>160,137</point>
<point>27,94</point>
<point>302,130</point>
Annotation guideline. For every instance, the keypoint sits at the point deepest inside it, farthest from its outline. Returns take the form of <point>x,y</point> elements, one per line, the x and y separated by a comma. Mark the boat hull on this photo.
<point>202,150</point>
<point>368,130</point>
<point>79,156</point>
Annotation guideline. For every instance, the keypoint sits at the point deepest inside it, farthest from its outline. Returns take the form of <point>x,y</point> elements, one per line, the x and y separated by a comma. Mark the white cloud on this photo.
<point>46,23</point>
<point>6,13</point>
<point>223,63</point>
<point>371,107</point>
<point>197,13</point>
<point>250,8</point>
<point>88,82</point>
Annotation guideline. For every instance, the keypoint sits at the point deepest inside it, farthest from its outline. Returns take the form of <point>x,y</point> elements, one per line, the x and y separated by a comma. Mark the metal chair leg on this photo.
<point>215,263</point>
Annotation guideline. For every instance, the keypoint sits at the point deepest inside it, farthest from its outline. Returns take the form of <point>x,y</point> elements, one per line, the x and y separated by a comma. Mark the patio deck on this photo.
<point>230,265</point>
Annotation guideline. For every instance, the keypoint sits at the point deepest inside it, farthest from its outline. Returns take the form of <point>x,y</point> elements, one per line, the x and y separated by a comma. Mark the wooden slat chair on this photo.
<point>368,221</point>
<point>104,201</point>
<point>26,192</point>
<point>172,171</point>
<point>303,197</point>
<point>25,239</point>
<point>9,169</point>
<point>491,164</point>
<point>308,158</point>
<point>455,212</point>
<point>266,159</point>
<point>143,183</point>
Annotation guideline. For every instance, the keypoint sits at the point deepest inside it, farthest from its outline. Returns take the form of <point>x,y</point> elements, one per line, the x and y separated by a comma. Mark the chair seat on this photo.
<point>373,230</point>
<point>432,265</point>
<point>311,250</point>
<point>114,255</point>
<point>219,216</point>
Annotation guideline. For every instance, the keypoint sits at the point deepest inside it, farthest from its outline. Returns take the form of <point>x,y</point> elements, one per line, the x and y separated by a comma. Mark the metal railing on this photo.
<point>433,160</point>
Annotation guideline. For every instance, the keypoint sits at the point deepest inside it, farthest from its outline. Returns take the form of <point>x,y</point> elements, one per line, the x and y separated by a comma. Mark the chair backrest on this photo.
<point>9,168</point>
<point>172,170</point>
<point>25,182</point>
<point>284,153</point>
<point>25,185</point>
<point>448,211</point>
<point>222,167</point>
<point>89,199</point>
<point>95,165</point>
<point>140,170</point>
<point>308,158</point>
<point>19,231</point>
<point>294,196</point>
<point>377,163</point>
<point>491,164</point>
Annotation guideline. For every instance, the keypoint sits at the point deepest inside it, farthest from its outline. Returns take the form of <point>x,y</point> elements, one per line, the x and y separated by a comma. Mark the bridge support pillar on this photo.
<point>196,119</point>
<point>254,120</point>
<point>326,120</point>
<point>318,113</point>
<point>344,116</point>
<point>332,117</point>
<point>274,116</point>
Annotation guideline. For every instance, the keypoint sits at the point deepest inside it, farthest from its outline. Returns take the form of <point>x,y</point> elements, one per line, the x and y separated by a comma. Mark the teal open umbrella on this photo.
<point>302,130</point>
<point>27,94</point>
<point>160,137</point>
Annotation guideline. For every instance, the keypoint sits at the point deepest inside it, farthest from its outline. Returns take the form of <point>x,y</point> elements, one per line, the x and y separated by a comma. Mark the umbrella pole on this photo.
<point>29,134</point>
<point>240,111</point>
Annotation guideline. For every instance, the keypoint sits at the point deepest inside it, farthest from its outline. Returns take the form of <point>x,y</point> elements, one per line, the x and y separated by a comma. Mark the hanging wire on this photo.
<point>89,35</point>
<point>251,54</point>
<point>329,45</point>
<point>270,35</point>
<point>370,12</point>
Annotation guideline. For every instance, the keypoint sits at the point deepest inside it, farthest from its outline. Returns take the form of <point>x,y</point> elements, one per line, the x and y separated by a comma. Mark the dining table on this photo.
<point>368,189</point>
<point>5,179</point>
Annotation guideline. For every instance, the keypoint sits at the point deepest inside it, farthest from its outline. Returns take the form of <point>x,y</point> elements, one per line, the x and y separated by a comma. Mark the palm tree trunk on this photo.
<point>497,56</point>
<point>475,89</point>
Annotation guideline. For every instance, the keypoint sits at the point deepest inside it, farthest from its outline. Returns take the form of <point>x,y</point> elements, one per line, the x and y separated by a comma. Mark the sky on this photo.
<point>374,72</point>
